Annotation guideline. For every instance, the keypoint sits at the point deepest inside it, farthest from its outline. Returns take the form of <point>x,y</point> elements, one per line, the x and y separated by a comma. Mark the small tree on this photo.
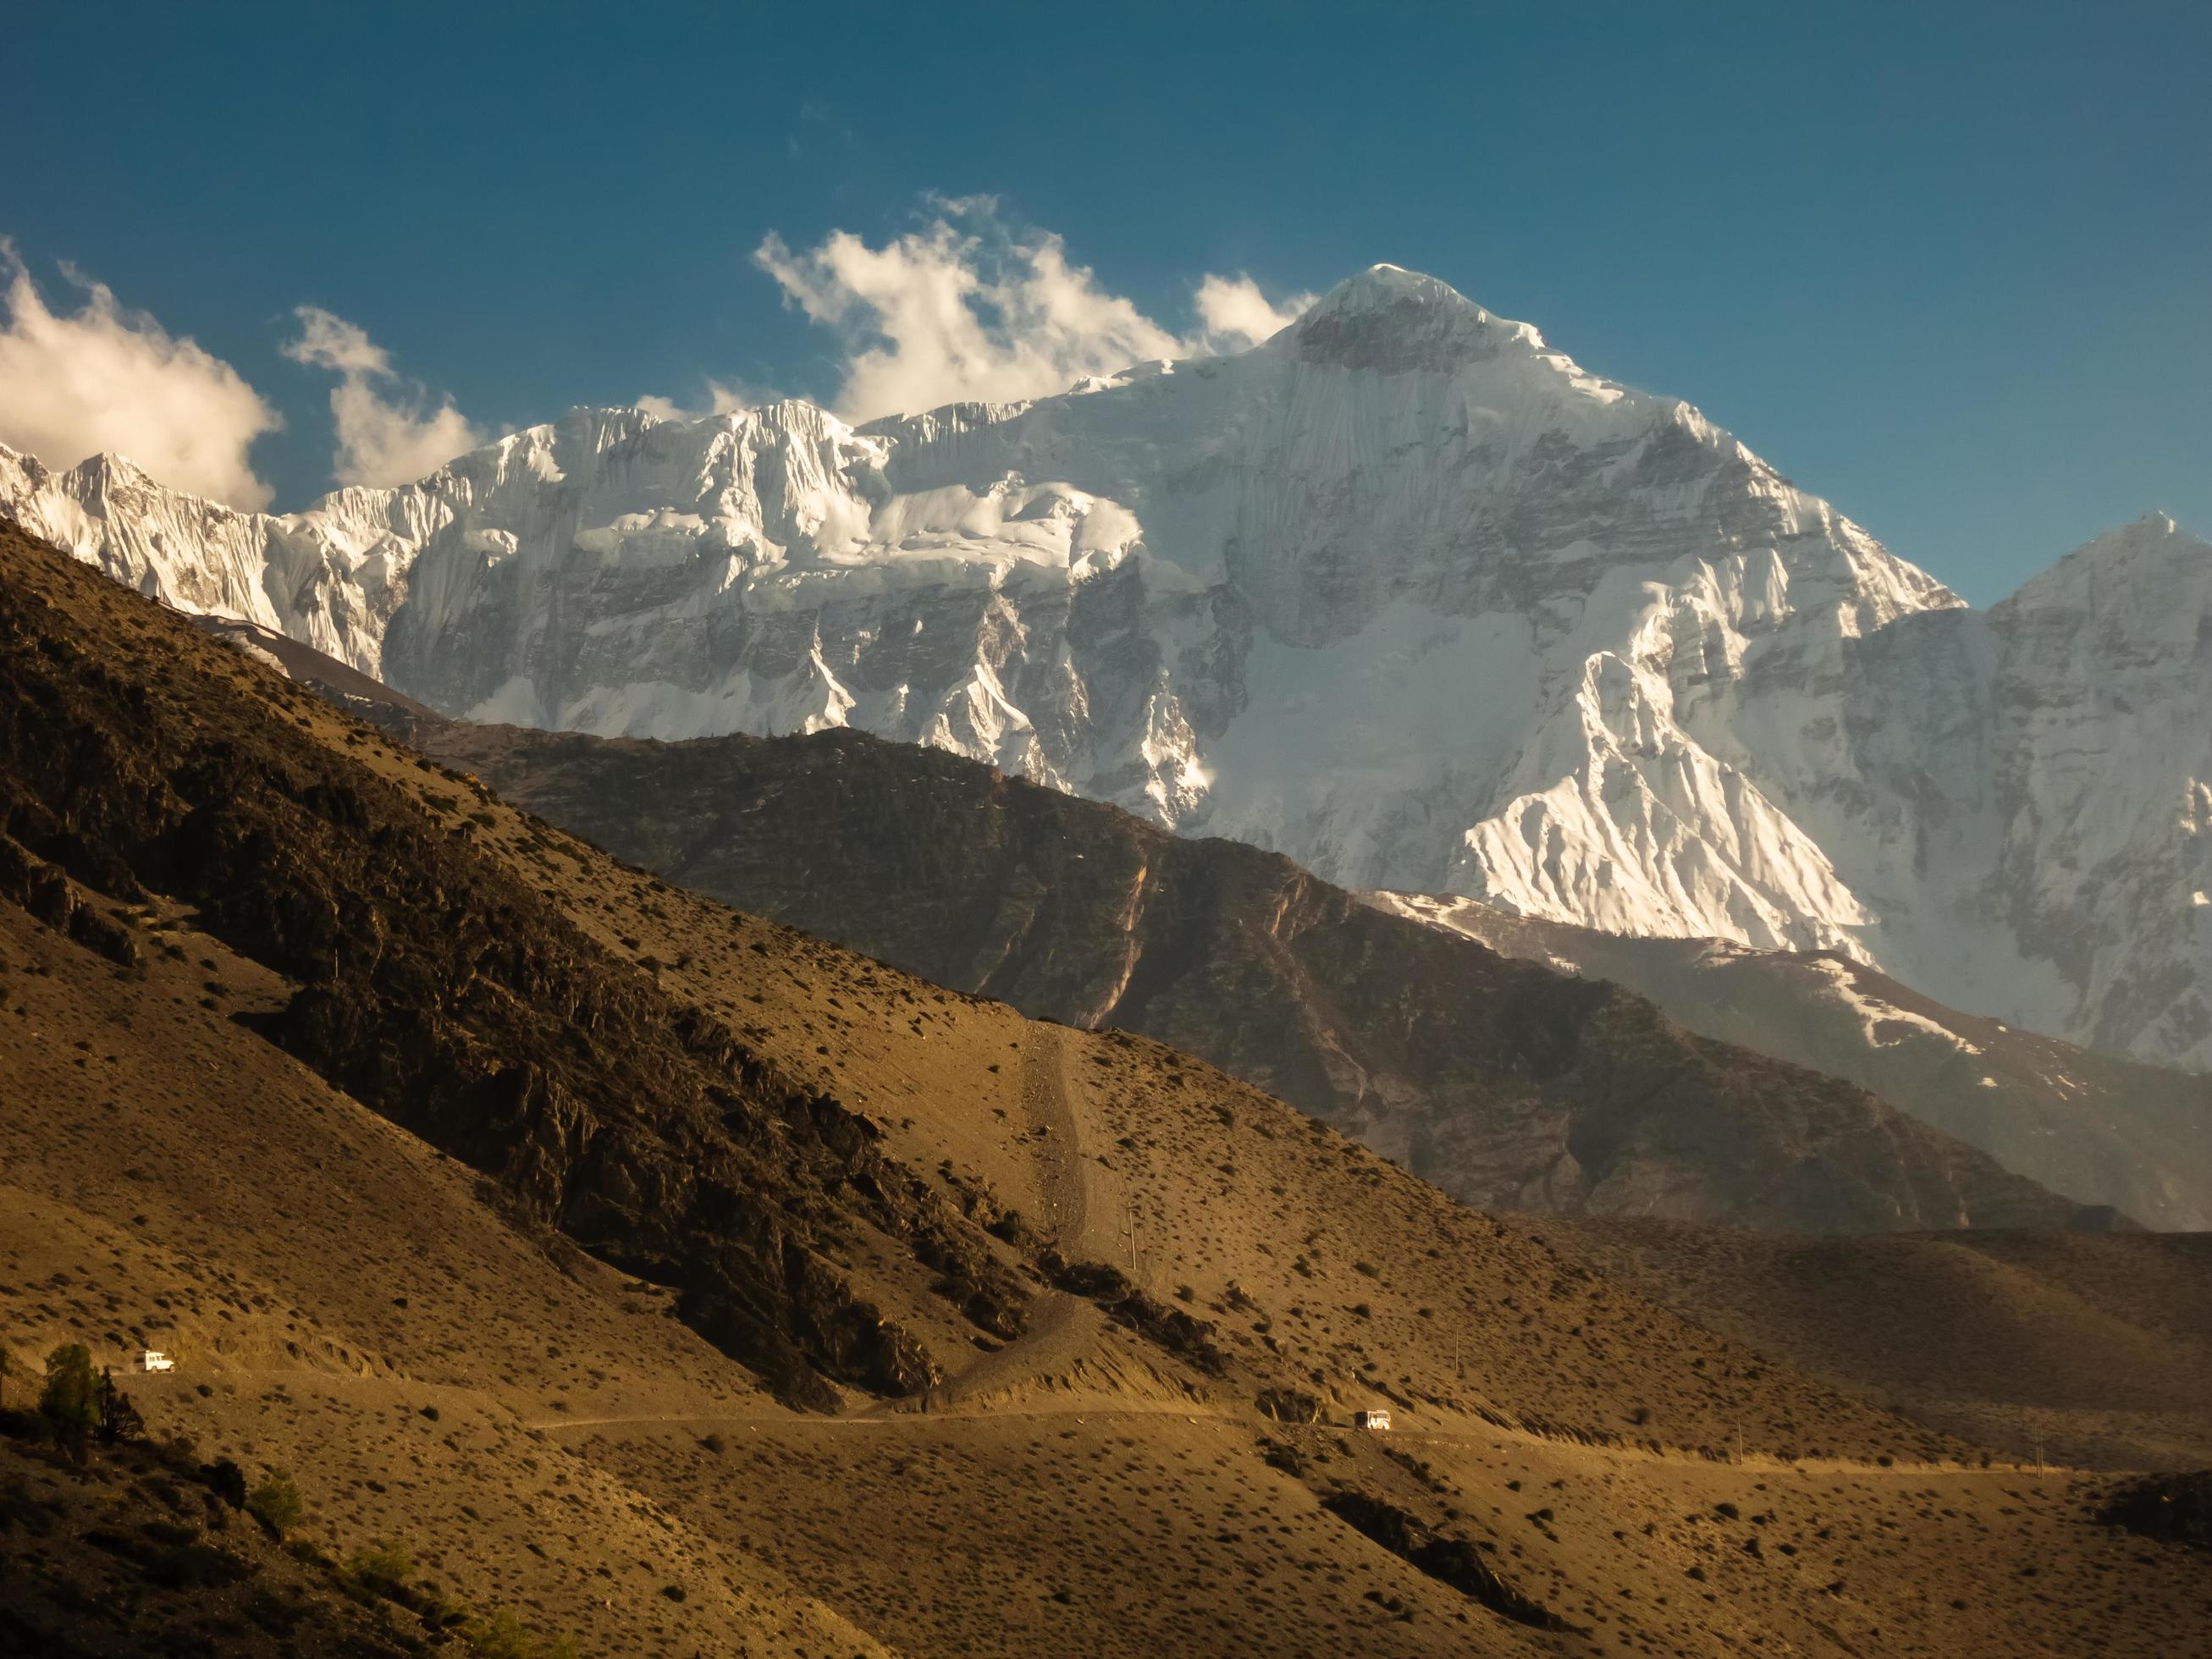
<point>276,1504</point>
<point>122,1421</point>
<point>70,1402</point>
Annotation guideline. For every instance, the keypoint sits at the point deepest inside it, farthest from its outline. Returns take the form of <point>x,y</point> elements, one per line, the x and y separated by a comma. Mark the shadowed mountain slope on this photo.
<point>1506,1083</point>
<point>439,988</point>
<point>2100,1127</point>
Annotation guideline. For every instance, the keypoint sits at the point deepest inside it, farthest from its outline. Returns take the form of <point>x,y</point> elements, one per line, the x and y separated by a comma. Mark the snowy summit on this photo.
<point>1403,593</point>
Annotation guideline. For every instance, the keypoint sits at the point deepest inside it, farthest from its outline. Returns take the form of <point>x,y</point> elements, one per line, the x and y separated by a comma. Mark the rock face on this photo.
<point>1402,594</point>
<point>1508,1084</point>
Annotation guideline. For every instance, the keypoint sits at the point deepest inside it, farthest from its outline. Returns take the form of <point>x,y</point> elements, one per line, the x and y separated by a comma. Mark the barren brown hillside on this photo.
<point>2096,1346</point>
<point>665,1276</point>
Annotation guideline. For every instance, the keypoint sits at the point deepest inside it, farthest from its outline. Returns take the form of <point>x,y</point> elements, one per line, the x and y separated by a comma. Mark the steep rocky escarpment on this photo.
<point>1508,1084</point>
<point>139,760</point>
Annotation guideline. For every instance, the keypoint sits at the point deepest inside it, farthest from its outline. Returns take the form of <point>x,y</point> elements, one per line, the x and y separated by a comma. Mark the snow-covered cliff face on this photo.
<point>2104,782</point>
<point>1402,592</point>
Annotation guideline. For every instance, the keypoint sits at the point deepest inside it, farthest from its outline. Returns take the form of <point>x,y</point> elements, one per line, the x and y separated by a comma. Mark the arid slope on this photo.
<point>264,971</point>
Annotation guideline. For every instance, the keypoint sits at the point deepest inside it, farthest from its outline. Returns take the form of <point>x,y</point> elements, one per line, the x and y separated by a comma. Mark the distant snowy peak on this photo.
<point>2145,560</point>
<point>1403,593</point>
<point>1393,320</point>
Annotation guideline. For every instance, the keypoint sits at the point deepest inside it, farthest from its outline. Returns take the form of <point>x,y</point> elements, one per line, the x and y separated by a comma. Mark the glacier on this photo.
<point>1402,592</point>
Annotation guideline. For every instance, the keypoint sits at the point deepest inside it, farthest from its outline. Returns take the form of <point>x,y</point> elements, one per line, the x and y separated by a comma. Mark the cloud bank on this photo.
<point>106,378</point>
<point>387,431</point>
<point>966,308</point>
<point>963,308</point>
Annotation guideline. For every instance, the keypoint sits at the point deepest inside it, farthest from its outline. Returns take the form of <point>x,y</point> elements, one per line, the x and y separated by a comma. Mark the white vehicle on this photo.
<point>1378,1420</point>
<point>153,1359</point>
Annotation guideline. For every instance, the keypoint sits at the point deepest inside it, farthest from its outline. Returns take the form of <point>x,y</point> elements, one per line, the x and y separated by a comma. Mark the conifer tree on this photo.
<point>70,1402</point>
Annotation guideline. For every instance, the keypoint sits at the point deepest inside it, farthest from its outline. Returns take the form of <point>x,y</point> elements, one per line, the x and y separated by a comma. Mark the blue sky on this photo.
<point>1948,265</point>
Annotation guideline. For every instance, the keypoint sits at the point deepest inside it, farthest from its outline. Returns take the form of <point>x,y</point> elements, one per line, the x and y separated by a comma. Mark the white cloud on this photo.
<point>108,378</point>
<point>1237,315</point>
<point>721,399</point>
<point>387,431</point>
<point>966,309</point>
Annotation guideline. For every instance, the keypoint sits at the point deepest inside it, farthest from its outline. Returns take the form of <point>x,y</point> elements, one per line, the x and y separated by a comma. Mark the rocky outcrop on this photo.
<point>1448,1557</point>
<point>439,988</point>
<point>2174,1509</point>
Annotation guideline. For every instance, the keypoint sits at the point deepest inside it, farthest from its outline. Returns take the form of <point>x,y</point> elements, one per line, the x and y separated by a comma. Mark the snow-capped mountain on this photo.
<point>1402,592</point>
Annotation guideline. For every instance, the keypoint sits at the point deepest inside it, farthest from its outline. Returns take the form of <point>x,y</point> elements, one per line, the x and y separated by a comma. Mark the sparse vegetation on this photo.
<point>378,1570</point>
<point>568,1472</point>
<point>498,1635</point>
<point>276,1503</point>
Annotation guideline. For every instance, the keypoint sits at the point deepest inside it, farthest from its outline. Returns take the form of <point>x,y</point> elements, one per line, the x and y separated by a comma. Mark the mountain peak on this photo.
<point>1390,319</point>
<point>110,467</point>
<point>2153,529</point>
<point>1381,285</point>
<point>2152,550</point>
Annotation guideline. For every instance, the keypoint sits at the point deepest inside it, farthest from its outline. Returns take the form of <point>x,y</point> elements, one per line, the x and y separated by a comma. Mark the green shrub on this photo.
<point>497,1635</point>
<point>276,1504</point>
<point>381,1569</point>
<point>306,1552</point>
<point>438,1614</point>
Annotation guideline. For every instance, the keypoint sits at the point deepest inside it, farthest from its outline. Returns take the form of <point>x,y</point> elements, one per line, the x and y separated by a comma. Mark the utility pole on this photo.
<point>2039,1449</point>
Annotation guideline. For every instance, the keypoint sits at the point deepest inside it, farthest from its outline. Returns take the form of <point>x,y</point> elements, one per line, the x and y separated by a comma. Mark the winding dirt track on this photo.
<point>1062,1329</point>
<point>1050,1118</point>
